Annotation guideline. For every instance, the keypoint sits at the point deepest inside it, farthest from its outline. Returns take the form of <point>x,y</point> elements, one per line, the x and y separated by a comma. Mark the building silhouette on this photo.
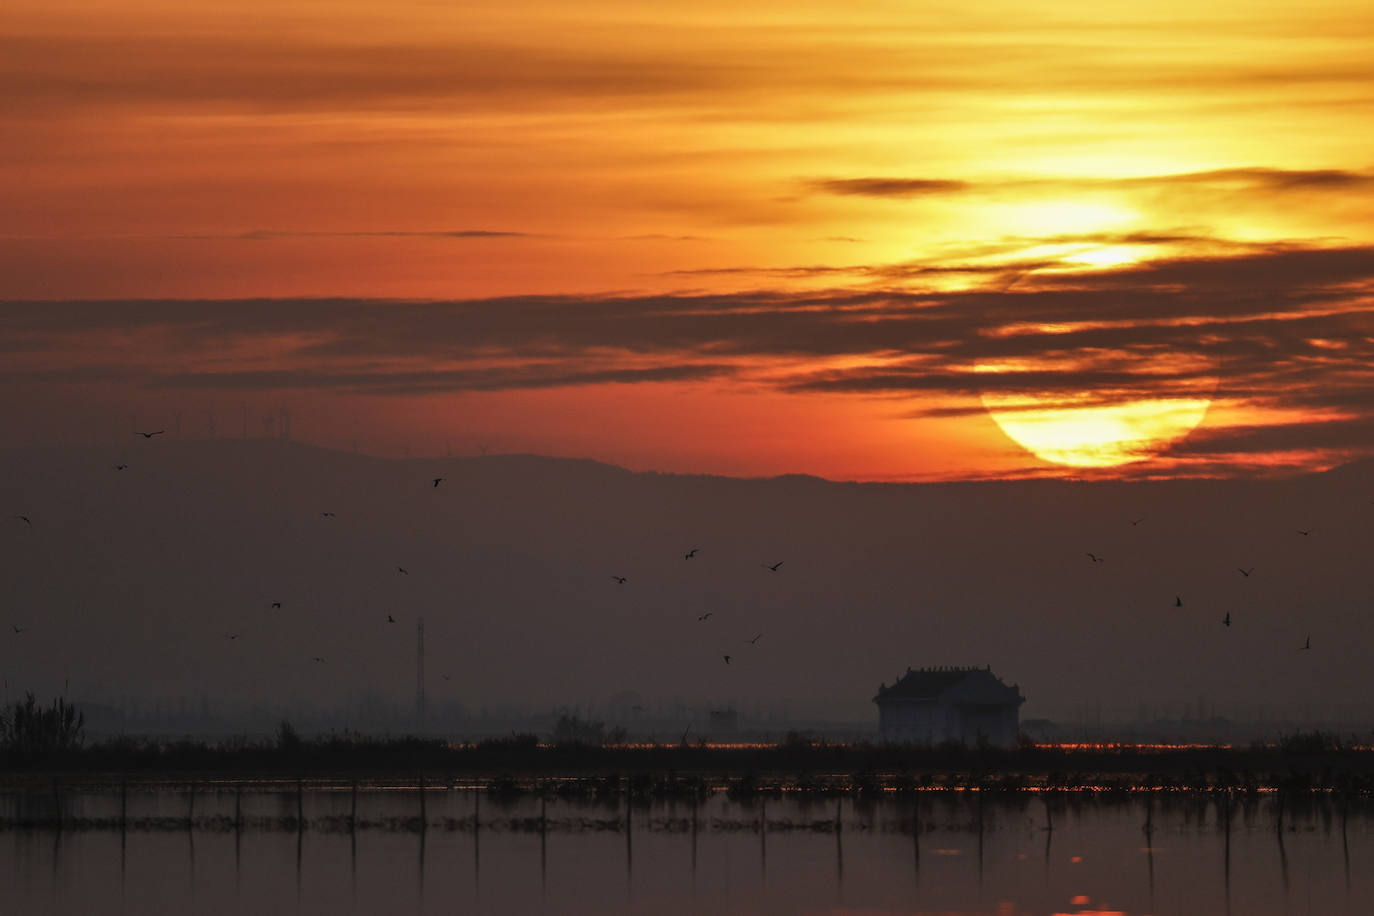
<point>933,705</point>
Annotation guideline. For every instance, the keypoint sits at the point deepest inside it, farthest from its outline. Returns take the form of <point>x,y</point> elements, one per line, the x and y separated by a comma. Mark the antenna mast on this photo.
<point>420,670</point>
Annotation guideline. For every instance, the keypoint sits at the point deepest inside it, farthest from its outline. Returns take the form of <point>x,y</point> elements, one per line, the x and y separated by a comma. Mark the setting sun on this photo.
<point>1103,436</point>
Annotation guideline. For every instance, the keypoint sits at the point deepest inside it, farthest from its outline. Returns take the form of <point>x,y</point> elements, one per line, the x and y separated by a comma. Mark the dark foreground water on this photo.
<point>943,853</point>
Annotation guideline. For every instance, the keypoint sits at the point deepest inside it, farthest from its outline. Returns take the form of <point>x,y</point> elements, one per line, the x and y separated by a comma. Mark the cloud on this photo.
<point>263,235</point>
<point>889,187</point>
<point>384,381</point>
<point>1287,330</point>
<point>1254,179</point>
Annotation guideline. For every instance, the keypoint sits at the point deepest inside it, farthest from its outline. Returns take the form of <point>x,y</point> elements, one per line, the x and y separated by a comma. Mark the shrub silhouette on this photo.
<point>27,730</point>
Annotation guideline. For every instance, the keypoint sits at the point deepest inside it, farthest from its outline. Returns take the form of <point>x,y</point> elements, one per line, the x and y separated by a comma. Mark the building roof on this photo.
<point>973,684</point>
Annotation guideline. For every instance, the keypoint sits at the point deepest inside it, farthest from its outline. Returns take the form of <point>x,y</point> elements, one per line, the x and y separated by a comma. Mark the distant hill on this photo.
<point>130,581</point>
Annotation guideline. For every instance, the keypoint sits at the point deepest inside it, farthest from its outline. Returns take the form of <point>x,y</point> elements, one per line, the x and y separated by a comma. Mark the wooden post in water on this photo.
<point>839,843</point>
<point>763,837</point>
<point>543,843</point>
<point>629,836</point>
<point>238,807</point>
<point>424,821</point>
<point>1226,853</point>
<point>694,839</point>
<point>980,836</point>
<point>916,830</point>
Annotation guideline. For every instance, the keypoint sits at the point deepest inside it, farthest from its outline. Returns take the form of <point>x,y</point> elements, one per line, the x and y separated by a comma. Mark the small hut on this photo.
<point>933,705</point>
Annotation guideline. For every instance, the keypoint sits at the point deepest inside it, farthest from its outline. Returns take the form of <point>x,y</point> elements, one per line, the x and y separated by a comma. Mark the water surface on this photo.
<point>945,853</point>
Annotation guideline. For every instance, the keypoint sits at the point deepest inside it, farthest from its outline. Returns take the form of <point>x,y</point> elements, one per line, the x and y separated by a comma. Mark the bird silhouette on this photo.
<point>621,579</point>
<point>707,615</point>
<point>121,467</point>
<point>439,480</point>
<point>402,570</point>
<point>1307,645</point>
<point>326,515</point>
<point>774,567</point>
<point>390,619</point>
<point>276,604</point>
<point>1178,601</point>
<point>17,628</point>
<point>1136,521</point>
<point>1095,558</point>
<point>1304,532</point>
<point>25,519</point>
<point>691,553</point>
<point>231,636</point>
<point>318,658</point>
<point>755,640</point>
<point>151,434</point>
<point>1245,572</point>
<point>446,677</point>
<point>1226,621</point>
<point>727,659</point>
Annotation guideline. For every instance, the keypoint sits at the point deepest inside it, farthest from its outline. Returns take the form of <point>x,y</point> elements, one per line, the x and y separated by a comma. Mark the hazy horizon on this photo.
<point>130,583</point>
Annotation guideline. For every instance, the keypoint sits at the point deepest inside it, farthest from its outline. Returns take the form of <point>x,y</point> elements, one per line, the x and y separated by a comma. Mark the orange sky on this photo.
<point>795,238</point>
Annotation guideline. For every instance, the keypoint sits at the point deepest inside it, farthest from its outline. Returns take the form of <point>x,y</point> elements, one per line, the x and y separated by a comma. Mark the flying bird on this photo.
<point>774,567</point>
<point>402,570</point>
<point>707,615</point>
<point>231,636</point>
<point>1245,572</point>
<point>439,480</point>
<point>1304,532</point>
<point>446,677</point>
<point>1095,558</point>
<point>25,519</point>
<point>1226,621</point>
<point>1178,601</point>
<point>727,659</point>
<point>691,553</point>
<point>755,640</point>
<point>1135,521</point>
<point>276,604</point>
<point>318,658</point>
<point>326,515</point>
<point>1307,645</point>
<point>151,434</point>
<point>390,619</point>
<point>17,628</point>
<point>621,579</point>
<point>121,467</point>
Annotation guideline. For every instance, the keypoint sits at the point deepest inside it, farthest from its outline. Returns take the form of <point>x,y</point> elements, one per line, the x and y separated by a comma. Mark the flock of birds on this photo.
<point>1246,573</point>
<point>401,570</point>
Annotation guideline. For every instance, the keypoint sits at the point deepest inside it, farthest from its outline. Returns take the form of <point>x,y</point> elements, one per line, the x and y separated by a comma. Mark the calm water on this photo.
<point>1097,858</point>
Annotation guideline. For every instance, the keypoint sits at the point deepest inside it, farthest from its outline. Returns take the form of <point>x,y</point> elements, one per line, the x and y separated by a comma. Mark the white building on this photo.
<point>933,705</point>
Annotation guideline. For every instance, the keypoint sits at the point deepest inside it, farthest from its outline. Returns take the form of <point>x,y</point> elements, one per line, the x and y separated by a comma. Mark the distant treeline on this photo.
<point>34,742</point>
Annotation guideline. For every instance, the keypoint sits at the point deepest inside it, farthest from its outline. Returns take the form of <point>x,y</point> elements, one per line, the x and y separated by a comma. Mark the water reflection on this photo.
<point>244,850</point>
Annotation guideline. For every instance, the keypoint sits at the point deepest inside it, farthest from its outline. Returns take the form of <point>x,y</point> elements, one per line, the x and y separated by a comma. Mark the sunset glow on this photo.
<point>432,227</point>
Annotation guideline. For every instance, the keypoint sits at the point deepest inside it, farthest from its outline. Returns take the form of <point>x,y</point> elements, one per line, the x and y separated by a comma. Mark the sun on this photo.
<point>1154,402</point>
<point>1099,436</point>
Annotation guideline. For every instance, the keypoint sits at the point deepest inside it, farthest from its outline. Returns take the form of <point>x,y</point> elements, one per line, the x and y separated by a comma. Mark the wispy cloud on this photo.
<point>264,235</point>
<point>1288,330</point>
<point>1253,179</point>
